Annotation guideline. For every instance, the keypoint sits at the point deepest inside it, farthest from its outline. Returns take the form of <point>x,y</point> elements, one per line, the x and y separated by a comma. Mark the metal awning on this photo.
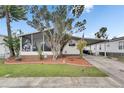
<point>91,41</point>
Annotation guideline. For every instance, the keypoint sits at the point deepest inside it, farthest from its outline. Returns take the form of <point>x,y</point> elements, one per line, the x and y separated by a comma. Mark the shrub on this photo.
<point>80,46</point>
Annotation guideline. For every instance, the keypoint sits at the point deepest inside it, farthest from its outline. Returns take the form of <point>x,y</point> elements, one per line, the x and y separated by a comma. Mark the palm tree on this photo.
<point>12,13</point>
<point>102,33</point>
<point>77,10</point>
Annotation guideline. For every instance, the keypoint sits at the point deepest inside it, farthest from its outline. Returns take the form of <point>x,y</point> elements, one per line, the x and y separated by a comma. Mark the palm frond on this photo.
<point>2,12</point>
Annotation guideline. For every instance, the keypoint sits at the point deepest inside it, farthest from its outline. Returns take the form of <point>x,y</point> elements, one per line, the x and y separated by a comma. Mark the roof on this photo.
<point>94,41</point>
<point>2,35</point>
<point>35,32</point>
<point>116,39</point>
<point>91,40</point>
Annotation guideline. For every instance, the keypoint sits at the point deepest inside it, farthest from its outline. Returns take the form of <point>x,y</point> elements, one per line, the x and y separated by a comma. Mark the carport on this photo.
<point>91,41</point>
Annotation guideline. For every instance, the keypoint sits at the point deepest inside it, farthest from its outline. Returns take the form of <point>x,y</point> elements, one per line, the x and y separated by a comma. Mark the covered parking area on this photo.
<point>93,45</point>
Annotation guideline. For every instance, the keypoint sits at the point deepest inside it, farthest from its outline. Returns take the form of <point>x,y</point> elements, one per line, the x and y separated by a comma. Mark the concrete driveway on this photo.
<point>113,68</point>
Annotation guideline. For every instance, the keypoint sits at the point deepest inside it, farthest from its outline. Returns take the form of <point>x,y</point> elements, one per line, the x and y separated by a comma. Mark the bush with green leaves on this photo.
<point>80,46</point>
<point>13,42</point>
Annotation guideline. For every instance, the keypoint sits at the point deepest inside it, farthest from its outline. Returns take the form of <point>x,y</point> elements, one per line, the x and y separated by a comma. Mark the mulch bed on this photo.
<point>77,61</point>
<point>73,60</point>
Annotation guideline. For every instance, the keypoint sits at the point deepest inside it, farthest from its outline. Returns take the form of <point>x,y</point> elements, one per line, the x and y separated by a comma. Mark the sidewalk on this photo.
<point>58,82</point>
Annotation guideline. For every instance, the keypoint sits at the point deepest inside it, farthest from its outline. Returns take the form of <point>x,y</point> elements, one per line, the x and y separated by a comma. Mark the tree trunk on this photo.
<point>61,54</point>
<point>62,47</point>
<point>54,56</point>
<point>81,54</point>
<point>9,33</point>
<point>61,50</point>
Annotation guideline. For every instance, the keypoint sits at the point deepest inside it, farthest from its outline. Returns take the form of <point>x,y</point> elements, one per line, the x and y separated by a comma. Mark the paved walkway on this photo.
<point>113,68</point>
<point>59,82</point>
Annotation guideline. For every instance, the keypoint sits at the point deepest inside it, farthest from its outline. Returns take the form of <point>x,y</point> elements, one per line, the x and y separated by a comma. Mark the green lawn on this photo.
<point>120,59</point>
<point>44,70</point>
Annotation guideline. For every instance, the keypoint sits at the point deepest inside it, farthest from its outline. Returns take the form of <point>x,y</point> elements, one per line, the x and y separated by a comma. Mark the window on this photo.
<point>46,47</point>
<point>26,43</point>
<point>121,45</point>
<point>71,43</point>
<point>99,47</point>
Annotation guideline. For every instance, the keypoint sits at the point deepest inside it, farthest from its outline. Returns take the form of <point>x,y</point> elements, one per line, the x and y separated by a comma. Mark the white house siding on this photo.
<point>94,49</point>
<point>111,48</point>
<point>71,50</point>
<point>114,47</point>
<point>4,51</point>
<point>87,48</point>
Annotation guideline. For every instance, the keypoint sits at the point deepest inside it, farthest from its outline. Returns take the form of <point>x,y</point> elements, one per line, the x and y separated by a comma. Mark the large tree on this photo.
<point>102,33</point>
<point>58,18</point>
<point>12,13</point>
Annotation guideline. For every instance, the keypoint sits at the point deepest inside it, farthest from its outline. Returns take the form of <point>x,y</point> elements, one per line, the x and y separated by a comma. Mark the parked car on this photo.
<point>87,52</point>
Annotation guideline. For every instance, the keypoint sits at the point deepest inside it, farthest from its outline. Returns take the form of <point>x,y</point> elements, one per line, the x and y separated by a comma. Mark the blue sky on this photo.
<point>110,16</point>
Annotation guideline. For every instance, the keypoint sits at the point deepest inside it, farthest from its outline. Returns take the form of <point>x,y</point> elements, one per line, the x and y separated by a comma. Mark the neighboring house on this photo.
<point>30,42</point>
<point>113,47</point>
<point>4,51</point>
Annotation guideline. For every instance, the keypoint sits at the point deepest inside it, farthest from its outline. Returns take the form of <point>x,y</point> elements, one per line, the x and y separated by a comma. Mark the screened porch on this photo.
<point>31,43</point>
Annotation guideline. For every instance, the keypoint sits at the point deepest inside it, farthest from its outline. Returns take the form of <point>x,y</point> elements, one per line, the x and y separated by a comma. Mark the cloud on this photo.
<point>88,8</point>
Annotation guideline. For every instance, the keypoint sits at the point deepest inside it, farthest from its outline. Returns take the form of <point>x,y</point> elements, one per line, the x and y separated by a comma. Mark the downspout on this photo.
<point>20,44</point>
<point>105,49</point>
<point>90,49</point>
<point>31,42</point>
<point>43,42</point>
<point>96,50</point>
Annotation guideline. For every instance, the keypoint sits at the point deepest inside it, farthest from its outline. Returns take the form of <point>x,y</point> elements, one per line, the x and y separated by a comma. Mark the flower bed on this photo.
<point>73,60</point>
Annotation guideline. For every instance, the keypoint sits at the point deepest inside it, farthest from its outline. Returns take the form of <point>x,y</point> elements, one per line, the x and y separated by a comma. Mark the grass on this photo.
<point>44,70</point>
<point>121,59</point>
<point>118,58</point>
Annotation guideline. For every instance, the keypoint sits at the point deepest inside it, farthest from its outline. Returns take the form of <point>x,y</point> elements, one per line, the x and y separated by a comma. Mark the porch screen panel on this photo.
<point>37,41</point>
<point>46,44</point>
<point>26,43</point>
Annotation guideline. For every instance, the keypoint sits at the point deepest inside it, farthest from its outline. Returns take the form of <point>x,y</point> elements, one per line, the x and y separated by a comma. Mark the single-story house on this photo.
<point>112,47</point>
<point>29,43</point>
<point>4,50</point>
